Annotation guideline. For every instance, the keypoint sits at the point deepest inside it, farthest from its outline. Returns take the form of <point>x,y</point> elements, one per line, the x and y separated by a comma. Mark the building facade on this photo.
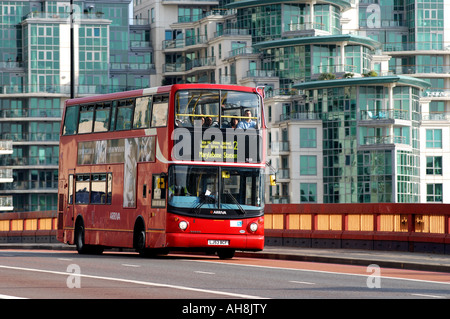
<point>111,53</point>
<point>357,91</point>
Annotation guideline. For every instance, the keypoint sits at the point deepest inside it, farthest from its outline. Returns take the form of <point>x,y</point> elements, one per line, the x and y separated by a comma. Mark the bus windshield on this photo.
<point>215,188</point>
<point>218,108</point>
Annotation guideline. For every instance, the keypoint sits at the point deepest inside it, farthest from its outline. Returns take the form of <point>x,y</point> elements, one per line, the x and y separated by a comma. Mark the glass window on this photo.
<point>71,120</point>
<point>434,165</point>
<point>86,119</point>
<point>308,138</point>
<point>308,192</point>
<point>434,192</point>
<point>98,189</point>
<point>124,114</point>
<point>195,188</point>
<point>70,189</point>
<point>82,189</point>
<point>160,111</point>
<point>308,165</point>
<point>142,112</point>
<point>434,138</point>
<point>102,116</point>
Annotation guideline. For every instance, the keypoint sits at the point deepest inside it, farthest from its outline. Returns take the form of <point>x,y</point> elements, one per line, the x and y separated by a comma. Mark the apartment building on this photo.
<point>111,53</point>
<point>357,91</point>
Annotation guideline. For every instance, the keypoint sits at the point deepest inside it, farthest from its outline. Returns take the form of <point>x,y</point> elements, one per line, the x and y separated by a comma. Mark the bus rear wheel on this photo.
<point>226,253</point>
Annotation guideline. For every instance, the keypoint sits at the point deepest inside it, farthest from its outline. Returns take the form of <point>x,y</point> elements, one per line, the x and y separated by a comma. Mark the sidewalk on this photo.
<point>387,259</point>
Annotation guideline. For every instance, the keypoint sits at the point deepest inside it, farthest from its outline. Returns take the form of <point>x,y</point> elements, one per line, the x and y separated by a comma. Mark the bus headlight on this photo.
<point>253,227</point>
<point>183,225</point>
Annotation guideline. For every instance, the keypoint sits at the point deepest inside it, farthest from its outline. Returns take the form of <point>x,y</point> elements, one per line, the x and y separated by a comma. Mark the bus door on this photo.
<point>68,216</point>
<point>151,193</point>
<point>157,222</point>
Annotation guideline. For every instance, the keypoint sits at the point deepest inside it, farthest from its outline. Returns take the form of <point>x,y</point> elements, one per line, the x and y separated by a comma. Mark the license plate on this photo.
<point>218,242</point>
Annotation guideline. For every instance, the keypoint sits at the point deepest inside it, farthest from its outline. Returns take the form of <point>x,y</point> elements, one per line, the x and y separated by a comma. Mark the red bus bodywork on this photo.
<point>145,223</point>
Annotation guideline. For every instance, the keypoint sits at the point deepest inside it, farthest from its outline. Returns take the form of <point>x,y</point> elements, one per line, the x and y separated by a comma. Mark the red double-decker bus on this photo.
<point>177,167</point>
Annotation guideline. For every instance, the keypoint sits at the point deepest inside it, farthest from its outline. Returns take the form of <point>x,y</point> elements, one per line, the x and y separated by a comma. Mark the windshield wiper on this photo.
<point>203,200</point>
<point>235,201</point>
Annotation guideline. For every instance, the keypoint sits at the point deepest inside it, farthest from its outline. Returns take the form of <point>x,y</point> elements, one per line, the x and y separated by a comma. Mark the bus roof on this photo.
<point>154,90</point>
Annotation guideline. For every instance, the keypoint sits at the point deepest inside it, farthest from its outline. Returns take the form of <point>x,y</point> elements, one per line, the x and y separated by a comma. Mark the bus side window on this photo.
<point>125,115</point>
<point>102,116</point>
<point>160,110</point>
<point>71,120</point>
<point>159,191</point>
<point>70,188</point>
<point>109,189</point>
<point>142,112</point>
<point>82,188</point>
<point>85,122</point>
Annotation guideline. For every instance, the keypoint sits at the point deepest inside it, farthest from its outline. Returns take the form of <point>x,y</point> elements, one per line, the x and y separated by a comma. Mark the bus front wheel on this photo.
<point>225,253</point>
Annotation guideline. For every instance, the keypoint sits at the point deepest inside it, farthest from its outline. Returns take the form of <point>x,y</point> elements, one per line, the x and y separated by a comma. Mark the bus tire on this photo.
<point>225,253</point>
<point>82,248</point>
<point>79,239</point>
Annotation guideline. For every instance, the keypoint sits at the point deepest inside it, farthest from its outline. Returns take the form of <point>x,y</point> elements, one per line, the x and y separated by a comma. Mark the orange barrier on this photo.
<point>407,227</point>
<point>28,227</point>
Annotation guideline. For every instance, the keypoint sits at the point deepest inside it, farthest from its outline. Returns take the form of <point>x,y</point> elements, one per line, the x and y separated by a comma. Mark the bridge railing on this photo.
<point>408,227</point>
<point>28,227</point>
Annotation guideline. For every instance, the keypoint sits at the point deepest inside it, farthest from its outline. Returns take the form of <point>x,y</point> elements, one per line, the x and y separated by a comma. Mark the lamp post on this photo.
<point>72,54</point>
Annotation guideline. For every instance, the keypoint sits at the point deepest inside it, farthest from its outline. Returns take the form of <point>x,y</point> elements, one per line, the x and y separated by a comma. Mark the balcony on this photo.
<point>243,51</point>
<point>185,42</point>
<point>261,74</point>
<point>201,63</point>
<point>300,116</point>
<point>6,175</point>
<point>6,147</point>
<point>6,203</point>
<point>278,148</point>
<point>282,173</point>
<point>384,115</point>
<point>384,140</point>
<point>437,116</point>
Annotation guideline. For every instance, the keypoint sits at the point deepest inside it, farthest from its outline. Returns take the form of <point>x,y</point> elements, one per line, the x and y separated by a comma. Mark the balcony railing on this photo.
<point>6,146</point>
<point>243,51</point>
<point>283,173</point>
<point>15,113</point>
<point>185,42</point>
<point>375,140</point>
<point>385,115</point>
<point>300,116</point>
<point>261,73</point>
<point>438,116</point>
<point>279,147</point>
<point>201,62</point>
<point>6,202</point>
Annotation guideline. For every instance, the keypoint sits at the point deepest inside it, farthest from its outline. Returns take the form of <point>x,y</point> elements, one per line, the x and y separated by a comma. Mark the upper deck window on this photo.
<point>224,109</point>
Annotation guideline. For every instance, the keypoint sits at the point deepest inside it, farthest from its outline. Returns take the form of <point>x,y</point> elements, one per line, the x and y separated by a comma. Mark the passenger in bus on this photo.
<point>247,123</point>
<point>234,122</point>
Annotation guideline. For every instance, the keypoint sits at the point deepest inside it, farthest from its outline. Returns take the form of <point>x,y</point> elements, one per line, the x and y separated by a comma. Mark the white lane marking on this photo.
<point>137,282</point>
<point>65,259</point>
<point>130,265</point>
<point>430,296</point>
<point>10,297</point>
<point>302,282</point>
<point>322,271</point>
<point>205,272</point>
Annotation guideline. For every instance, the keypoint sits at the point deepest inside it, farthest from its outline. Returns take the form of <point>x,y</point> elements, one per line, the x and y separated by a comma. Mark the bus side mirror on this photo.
<point>273,180</point>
